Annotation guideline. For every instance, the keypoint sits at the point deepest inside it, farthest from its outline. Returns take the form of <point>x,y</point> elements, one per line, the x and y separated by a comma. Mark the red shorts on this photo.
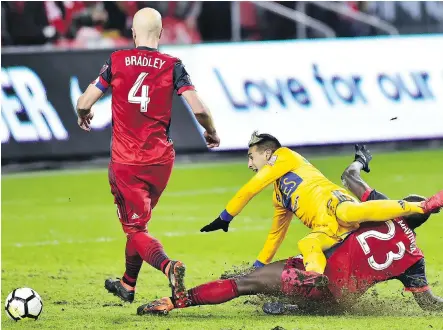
<point>288,279</point>
<point>136,191</point>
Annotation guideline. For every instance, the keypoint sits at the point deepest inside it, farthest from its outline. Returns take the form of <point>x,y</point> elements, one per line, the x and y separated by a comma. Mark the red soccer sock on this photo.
<point>133,264</point>
<point>212,293</point>
<point>150,250</point>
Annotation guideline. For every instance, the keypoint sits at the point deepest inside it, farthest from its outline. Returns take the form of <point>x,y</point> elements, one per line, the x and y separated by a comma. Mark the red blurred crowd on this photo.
<point>86,24</point>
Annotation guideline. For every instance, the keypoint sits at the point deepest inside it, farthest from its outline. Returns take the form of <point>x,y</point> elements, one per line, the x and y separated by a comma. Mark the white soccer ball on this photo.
<point>23,303</point>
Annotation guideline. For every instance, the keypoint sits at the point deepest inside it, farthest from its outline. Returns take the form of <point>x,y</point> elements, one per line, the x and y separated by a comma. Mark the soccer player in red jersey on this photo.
<point>374,253</point>
<point>143,81</point>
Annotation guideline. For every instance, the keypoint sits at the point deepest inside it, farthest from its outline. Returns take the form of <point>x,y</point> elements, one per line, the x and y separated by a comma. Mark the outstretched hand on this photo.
<point>217,224</point>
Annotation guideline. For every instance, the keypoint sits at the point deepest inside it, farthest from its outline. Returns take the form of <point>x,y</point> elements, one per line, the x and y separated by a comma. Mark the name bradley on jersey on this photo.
<point>144,61</point>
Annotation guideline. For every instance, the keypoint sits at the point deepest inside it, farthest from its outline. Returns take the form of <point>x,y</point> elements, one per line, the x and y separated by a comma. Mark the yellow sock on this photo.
<point>312,247</point>
<point>315,262</point>
<point>380,210</point>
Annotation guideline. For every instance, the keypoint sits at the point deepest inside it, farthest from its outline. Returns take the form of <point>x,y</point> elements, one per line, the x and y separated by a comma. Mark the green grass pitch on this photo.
<point>61,237</point>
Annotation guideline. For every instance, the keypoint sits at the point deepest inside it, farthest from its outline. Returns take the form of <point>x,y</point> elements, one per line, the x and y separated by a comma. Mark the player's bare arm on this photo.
<point>428,301</point>
<point>203,116</point>
<point>84,105</point>
<point>415,281</point>
<point>261,148</point>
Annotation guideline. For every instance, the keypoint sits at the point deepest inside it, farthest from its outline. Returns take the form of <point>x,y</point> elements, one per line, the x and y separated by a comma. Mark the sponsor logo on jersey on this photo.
<point>402,204</point>
<point>287,184</point>
<point>277,196</point>
<point>103,69</point>
<point>295,204</point>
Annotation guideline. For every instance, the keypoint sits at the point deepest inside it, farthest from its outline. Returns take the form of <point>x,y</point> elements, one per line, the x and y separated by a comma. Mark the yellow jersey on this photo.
<point>299,188</point>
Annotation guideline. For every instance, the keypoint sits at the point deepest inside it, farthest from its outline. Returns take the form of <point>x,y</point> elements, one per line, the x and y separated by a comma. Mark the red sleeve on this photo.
<point>366,194</point>
<point>422,289</point>
<point>184,89</point>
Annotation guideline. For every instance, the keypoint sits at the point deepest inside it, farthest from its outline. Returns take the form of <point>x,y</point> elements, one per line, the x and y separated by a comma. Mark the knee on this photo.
<point>345,213</point>
<point>308,244</point>
<point>132,231</point>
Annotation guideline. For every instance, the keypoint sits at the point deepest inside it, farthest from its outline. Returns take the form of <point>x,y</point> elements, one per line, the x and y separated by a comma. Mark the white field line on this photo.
<point>215,190</point>
<point>57,242</point>
<point>182,166</point>
<point>110,239</point>
<point>172,194</point>
<point>178,166</point>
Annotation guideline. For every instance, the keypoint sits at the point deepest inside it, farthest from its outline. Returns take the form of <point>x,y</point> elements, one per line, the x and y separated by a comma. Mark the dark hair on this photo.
<point>264,141</point>
<point>415,220</point>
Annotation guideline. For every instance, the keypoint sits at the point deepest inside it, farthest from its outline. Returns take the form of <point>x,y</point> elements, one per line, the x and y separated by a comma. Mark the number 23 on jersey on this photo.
<point>390,256</point>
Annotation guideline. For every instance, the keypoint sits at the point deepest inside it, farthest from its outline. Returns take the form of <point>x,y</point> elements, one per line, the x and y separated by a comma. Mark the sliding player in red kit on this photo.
<point>375,252</point>
<point>143,81</point>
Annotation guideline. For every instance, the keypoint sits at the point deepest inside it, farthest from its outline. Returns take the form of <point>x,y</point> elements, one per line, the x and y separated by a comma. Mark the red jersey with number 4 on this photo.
<point>143,81</point>
<point>373,253</point>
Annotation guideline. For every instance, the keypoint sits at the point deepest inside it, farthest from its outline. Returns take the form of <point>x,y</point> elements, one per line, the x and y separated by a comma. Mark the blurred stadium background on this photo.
<point>306,69</point>
<point>319,75</point>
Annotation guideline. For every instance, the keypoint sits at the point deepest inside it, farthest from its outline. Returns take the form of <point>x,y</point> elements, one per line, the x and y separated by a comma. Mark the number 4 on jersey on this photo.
<point>143,99</point>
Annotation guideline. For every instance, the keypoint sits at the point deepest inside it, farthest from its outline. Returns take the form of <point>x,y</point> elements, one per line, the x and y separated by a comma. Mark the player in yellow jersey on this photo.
<point>301,189</point>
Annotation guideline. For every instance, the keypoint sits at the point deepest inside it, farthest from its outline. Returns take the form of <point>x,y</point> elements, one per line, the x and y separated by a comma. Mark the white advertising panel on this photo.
<point>321,92</point>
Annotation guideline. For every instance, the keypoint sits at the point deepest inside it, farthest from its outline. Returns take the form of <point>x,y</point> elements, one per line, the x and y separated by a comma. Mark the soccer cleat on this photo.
<point>176,276</point>
<point>116,287</point>
<point>157,307</point>
<point>433,203</point>
<point>278,308</point>
<point>313,279</point>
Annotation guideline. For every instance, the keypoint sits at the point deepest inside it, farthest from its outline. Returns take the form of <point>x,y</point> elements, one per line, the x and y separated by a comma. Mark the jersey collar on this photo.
<point>146,48</point>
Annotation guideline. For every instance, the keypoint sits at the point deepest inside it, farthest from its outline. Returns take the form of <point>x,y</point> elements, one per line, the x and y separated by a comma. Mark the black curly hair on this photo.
<point>415,220</point>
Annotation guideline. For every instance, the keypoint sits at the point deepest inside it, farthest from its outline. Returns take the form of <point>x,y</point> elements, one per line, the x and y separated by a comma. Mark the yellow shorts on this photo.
<point>326,221</point>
